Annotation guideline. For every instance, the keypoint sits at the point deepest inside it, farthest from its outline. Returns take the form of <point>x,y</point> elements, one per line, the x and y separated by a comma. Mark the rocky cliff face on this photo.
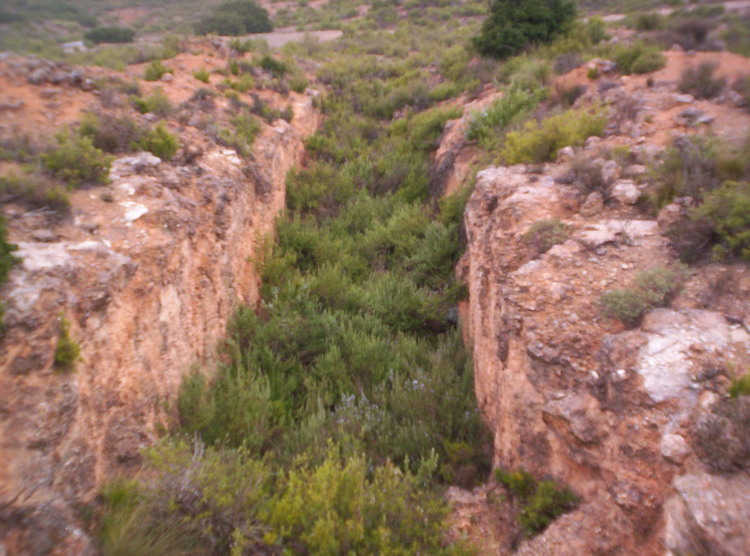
<point>147,276</point>
<point>572,395</point>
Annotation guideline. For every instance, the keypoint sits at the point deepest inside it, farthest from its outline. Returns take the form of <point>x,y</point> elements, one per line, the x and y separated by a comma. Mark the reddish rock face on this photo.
<point>567,392</point>
<point>147,281</point>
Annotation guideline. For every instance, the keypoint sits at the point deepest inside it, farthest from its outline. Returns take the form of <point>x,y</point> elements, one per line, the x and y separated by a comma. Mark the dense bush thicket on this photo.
<point>513,25</point>
<point>110,35</point>
<point>235,17</point>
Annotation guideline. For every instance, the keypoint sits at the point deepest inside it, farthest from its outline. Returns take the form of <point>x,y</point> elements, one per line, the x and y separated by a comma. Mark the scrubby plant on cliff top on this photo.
<point>7,260</point>
<point>634,58</point>
<point>651,288</point>
<point>700,81</point>
<point>728,209</point>
<point>160,142</point>
<point>539,142</point>
<point>541,501</point>
<point>487,126</point>
<point>67,351</point>
<point>544,234</point>
<point>76,161</point>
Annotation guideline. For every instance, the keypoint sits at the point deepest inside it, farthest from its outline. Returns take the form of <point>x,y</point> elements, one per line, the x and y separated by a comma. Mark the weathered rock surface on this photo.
<point>147,282</point>
<point>569,393</point>
<point>708,514</point>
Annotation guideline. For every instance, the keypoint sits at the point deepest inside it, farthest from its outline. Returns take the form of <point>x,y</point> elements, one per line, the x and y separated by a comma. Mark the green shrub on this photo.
<point>110,35</point>
<point>512,26</point>
<point>234,18</point>
<point>160,142</point>
<point>542,501</point>
<point>699,81</point>
<point>487,126</point>
<point>627,305</point>
<point>274,66</point>
<point>637,56</point>
<point>539,142</point>
<point>67,351</point>
<point>648,62</point>
<point>689,167</point>
<point>650,21</point>
<point>334,508</point>
<point>243,84</point>
<point>156,103</point>
<point>728,209</point>
<point>245,128</point>
<point>527,73</point>
<point>200,502</point>
<point>7,260</point>
<point>721,438</point>
<point>298,83</point>
<point>202,75</point>
<point>652,288</point>
<point>548,503</point>
<point>109,132</point>
<point>34,191</point>
<point>521,483</point>
<point>155,70</point>
<point>76,161</point>
<point>544,234</point>
<point>740,386</point>
<point>586,175</point>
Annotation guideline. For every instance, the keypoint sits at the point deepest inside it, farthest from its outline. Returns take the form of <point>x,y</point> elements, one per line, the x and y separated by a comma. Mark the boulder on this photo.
<point>593,204</point>
<point>708,514</point>
<point>674,448</point>
<point>625,191</point>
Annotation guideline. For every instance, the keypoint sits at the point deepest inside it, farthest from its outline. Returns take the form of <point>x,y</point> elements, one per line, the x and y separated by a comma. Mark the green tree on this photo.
<point>514,24</point>
<point>235,17</point>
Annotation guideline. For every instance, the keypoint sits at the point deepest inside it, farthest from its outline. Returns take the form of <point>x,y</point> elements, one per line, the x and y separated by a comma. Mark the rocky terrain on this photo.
<point>569,393</point>
<point>148,268</point>
<point>146,271</point>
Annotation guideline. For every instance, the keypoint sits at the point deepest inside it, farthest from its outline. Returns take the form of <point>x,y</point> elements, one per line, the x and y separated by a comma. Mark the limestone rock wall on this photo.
<point>147,278</point>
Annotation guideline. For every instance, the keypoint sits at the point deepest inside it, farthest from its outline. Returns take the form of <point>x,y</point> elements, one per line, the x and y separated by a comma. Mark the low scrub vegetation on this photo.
<point>700,81</point>
<point>202,75</point>
<point>7,259</point>
<point>76,160</point>
<point>156,103</point>
<point>635,58</point>
<point>110,132</point>
<point>541,501</point>
<point>545,234</point>
<point>651,289</point>
<point>160,142</point>
<point>214,500</point>
<point>155,70</point>
<point>110,35</point>
<point>67,351</point>
<point>487,127</point>
<point>539,142</point>
<point>34,191</point>
<point>689,167</point>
